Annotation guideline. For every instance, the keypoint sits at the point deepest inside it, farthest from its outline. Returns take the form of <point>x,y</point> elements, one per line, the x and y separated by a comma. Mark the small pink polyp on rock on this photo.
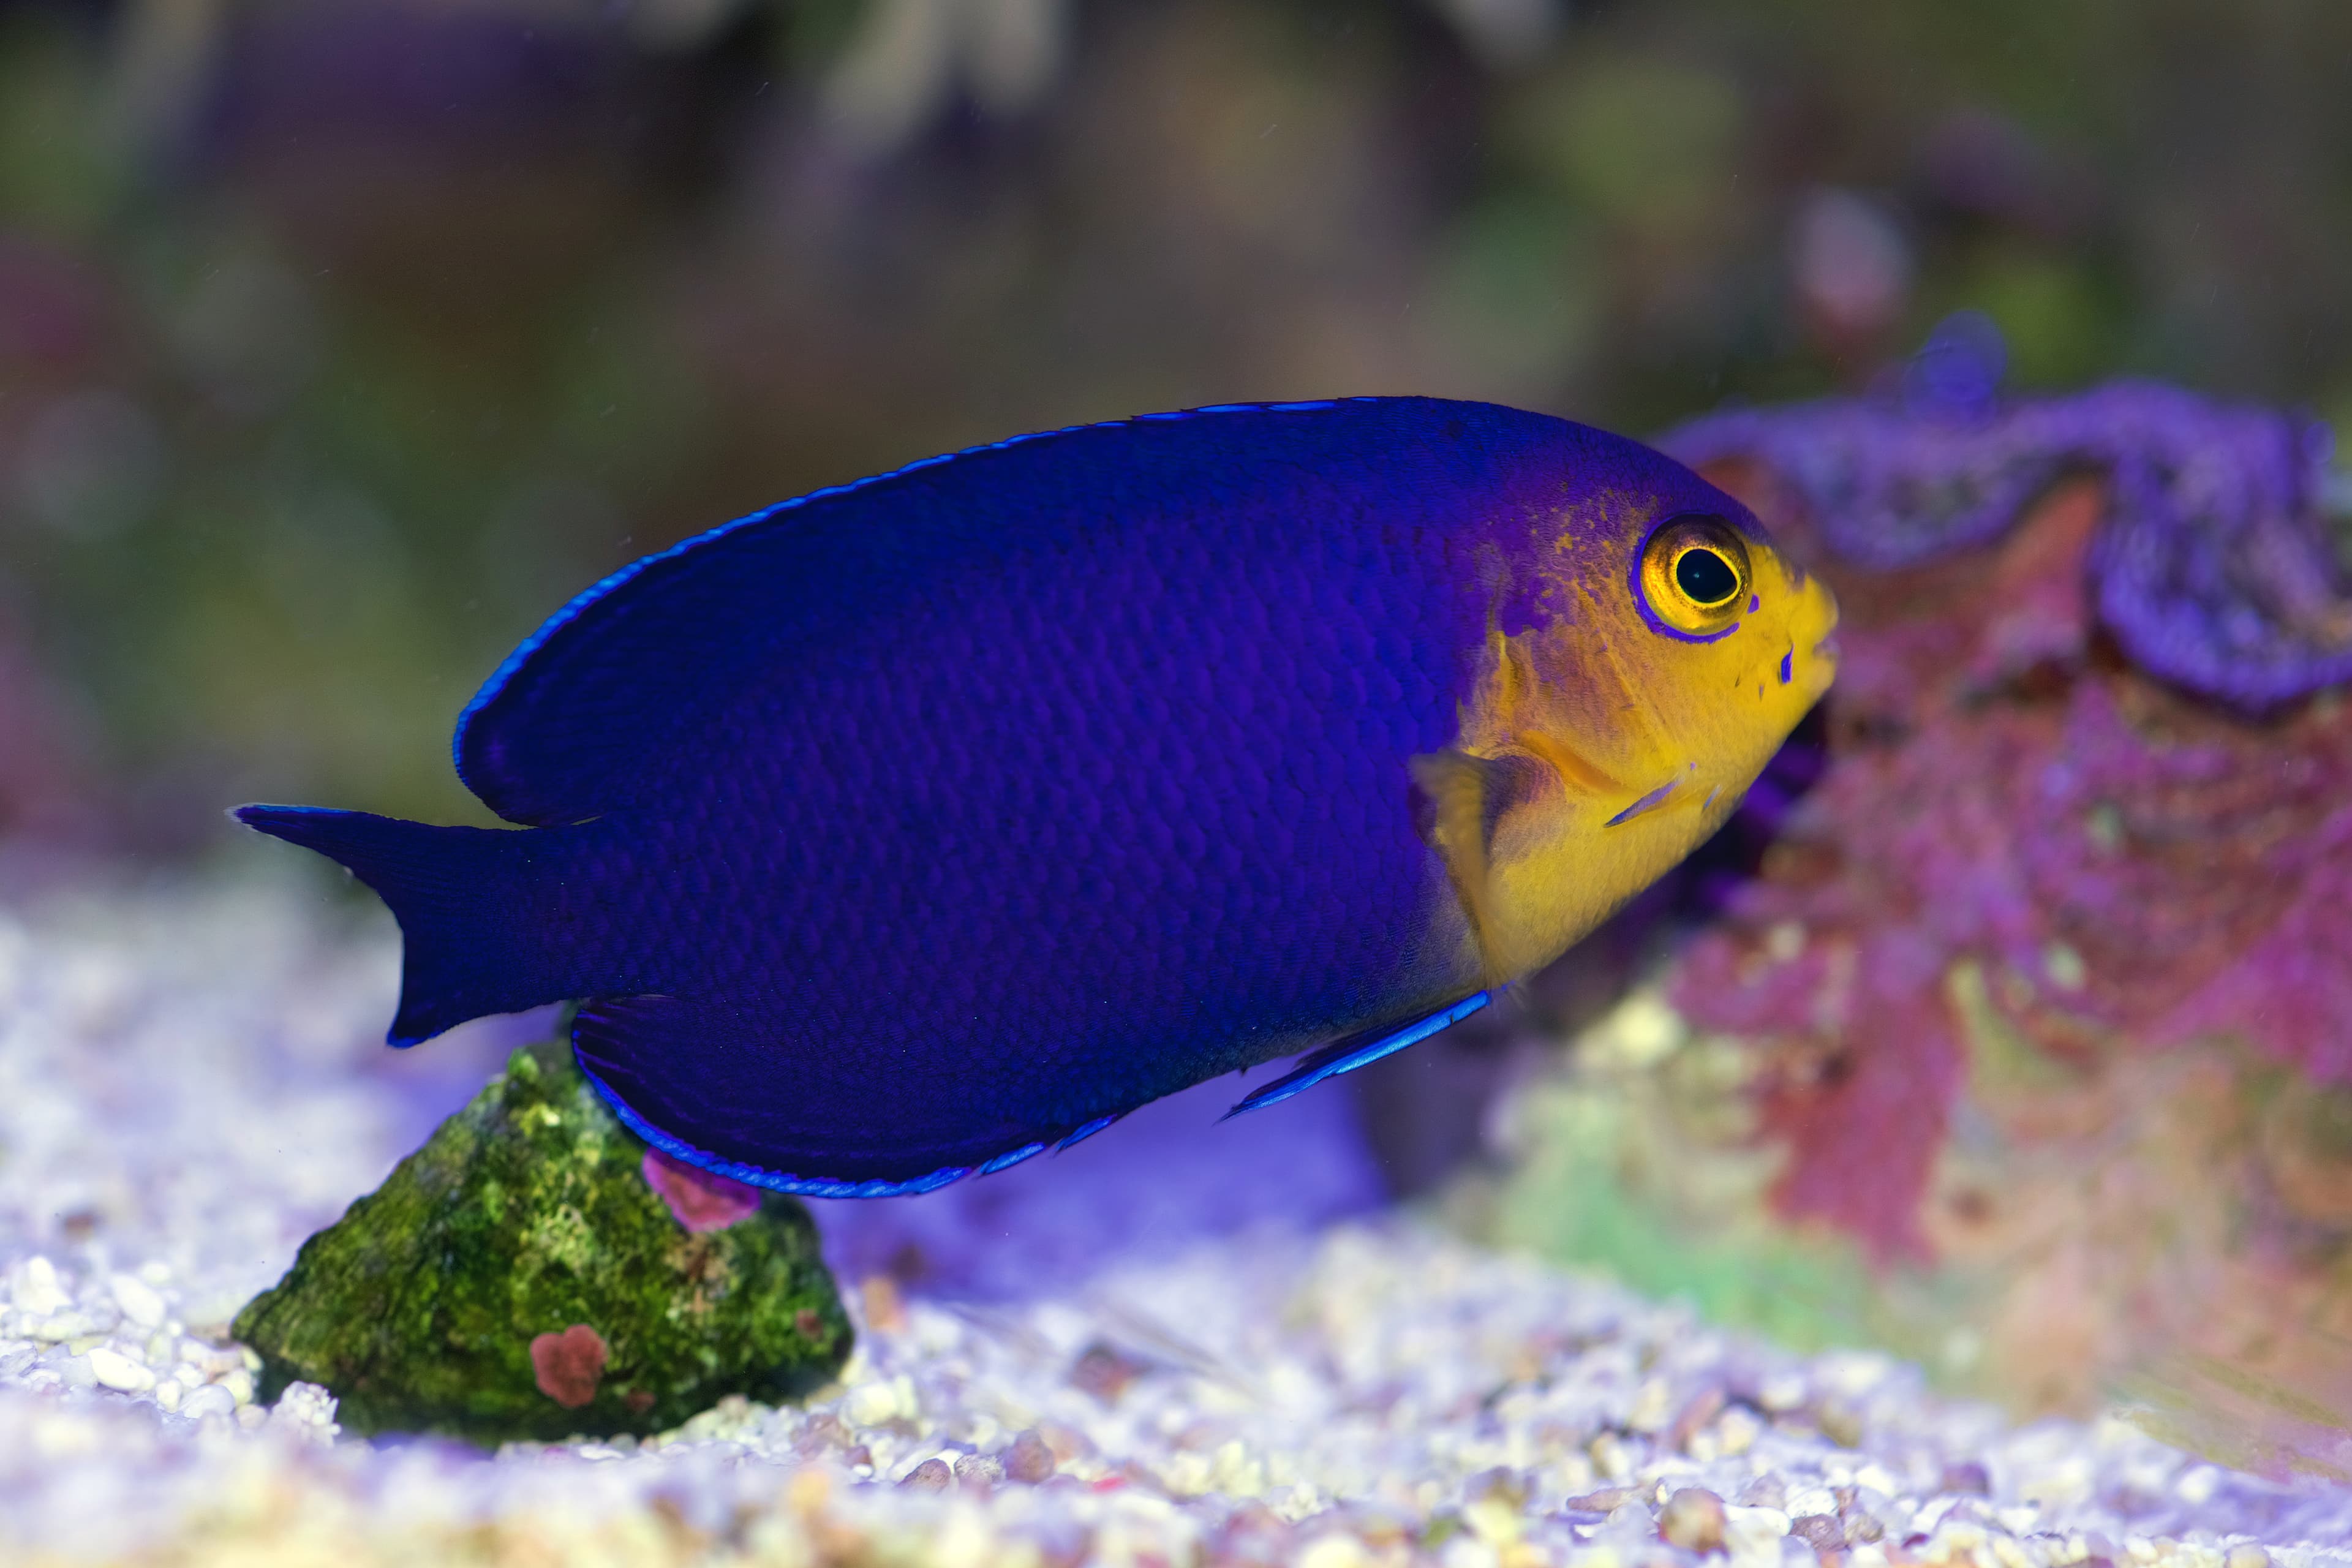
<point>699,1200</point>
<point>569,1365</point>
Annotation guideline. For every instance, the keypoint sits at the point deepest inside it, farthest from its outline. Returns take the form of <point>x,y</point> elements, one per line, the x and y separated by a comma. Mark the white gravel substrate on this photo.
<point>186,1090</point>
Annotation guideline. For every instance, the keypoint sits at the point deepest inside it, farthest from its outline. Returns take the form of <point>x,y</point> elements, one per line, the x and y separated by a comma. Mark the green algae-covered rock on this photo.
<point>518,1276</point>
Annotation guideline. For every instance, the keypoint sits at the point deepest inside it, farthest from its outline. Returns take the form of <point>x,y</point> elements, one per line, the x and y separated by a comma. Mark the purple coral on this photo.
<point>2212,568</point>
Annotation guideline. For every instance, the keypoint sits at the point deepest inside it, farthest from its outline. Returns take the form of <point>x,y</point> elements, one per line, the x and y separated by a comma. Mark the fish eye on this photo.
<point>1704,578</point>
<point>1694,573</point>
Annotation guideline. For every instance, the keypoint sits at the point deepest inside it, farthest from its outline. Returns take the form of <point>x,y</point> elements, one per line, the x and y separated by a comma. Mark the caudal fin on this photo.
<point>489,919</point>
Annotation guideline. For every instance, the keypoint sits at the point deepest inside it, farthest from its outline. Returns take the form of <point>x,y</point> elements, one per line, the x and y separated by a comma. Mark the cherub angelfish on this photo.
<point>914,826</point>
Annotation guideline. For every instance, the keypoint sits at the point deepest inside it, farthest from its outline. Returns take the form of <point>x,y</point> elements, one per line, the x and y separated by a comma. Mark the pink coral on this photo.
<point>2124,867</point>
<point>568,1366</point>
<point>2290,990</point>
<point>699,1200</point>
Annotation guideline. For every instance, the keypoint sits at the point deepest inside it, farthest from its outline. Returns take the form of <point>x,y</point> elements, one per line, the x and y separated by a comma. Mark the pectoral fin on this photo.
<point>1459,802</point>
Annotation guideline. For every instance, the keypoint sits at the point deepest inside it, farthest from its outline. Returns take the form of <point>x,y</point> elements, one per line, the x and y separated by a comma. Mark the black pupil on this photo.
<point>1705,576</point>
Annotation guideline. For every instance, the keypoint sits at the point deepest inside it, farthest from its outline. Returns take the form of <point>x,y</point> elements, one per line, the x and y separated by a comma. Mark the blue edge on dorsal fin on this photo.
<point>1330,1062</point>
<point>580,602</point>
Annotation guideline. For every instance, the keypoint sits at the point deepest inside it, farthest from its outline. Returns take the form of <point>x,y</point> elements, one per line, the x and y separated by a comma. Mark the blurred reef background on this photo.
<point>339,345</point>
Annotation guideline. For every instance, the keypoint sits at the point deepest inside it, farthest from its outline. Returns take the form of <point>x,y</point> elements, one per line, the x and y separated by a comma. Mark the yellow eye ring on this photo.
<point>1693,578</point>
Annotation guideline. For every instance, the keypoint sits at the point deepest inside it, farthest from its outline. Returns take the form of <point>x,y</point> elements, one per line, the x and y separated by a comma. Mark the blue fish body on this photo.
<point>910,827</point>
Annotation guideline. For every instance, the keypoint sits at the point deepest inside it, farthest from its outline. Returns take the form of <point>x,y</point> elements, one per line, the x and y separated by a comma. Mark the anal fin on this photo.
<point>614,1038</point>
<point>779,1181</point>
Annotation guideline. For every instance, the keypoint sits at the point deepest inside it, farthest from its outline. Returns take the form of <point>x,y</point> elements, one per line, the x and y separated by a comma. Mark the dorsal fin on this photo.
<point>576,716</point>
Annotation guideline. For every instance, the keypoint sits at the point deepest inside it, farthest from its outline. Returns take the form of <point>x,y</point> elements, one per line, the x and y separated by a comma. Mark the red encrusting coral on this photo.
<point>701,1200</point>
<point>568,1366</point>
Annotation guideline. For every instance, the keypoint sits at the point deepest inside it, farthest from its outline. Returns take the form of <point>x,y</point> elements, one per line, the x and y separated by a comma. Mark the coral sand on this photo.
<point>190,1086</point>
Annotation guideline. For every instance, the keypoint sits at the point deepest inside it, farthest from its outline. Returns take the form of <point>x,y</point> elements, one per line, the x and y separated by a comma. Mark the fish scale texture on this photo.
<point>1117,805</point>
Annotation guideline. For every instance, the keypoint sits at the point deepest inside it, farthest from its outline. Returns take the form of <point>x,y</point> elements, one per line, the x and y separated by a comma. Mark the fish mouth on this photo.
<point>1824,666</point>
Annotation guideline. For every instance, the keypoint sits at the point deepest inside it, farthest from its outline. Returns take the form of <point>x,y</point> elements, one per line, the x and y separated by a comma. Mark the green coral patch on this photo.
<point>516,1277</point>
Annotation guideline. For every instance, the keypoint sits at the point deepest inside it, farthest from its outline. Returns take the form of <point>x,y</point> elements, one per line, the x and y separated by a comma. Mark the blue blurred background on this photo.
<point>339,344</point>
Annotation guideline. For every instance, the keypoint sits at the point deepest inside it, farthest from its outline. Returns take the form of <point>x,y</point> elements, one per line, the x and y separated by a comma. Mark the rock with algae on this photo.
<point>524,1275</point>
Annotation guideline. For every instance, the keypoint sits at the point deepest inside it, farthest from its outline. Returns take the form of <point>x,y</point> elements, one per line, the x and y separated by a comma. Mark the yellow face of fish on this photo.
<point>1606,741</point>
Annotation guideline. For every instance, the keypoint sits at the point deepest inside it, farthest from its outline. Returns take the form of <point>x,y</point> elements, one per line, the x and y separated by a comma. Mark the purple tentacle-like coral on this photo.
<point>2212,568</point>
